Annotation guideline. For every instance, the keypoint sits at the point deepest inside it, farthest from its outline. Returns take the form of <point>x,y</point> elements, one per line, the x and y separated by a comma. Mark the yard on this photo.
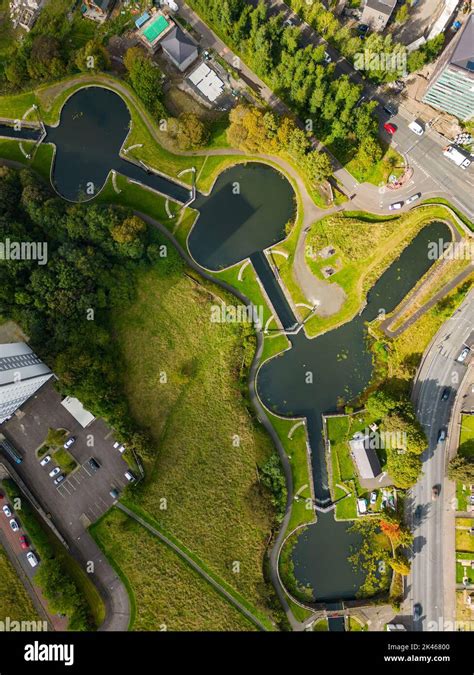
<point>464,570</point>
<point>185,380</point>
<point>166,594</point>
<point>15,602</point>
<point>466,441</point>
<point>464,539</point>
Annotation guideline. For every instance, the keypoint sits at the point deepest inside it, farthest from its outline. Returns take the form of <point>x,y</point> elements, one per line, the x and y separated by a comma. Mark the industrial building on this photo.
<point>207,82</point>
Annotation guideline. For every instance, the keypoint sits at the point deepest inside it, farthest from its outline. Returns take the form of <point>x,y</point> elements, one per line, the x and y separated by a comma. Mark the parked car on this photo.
<point>463,355</point>
<point>54,472</point>
<point>396,206</point>
<point>121,449</point>
<point>362,29</point>
<point>93,464</point>
<point>14,525</point>
<point>114,493</point>
<point>24,542</point>
<point>445,394</point>
<point>70,441</point>
<point>6,510</point>
<point>471,500</point>
<point>116,445</point>
<point>32,559</point>
<point>417,611</point>
<point>327,57</point>
<point>416,128</point>
<point>130,476</point>
<point>442,435</point>
<point>373,497</point>
<point>59,479</point>
<point>434,492</point>
<point>413,198</point>
<point>390,110</point>
<point>46,460</point>
<point>390,128</point>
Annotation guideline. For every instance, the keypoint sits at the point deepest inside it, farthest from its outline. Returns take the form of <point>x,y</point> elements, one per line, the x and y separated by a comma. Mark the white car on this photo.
<point>373,497</point>
<point>32,559</point>
<point>416,128</point>
<point>395,206</point>
<point>129,476</point>
<point>46,460</point>
<point>413,198</point>
<point>463,355</point>
<point>121,449</point>
<point>59,479</point>
<point>327,57</point>
<point>54,472</point>
<point>6,510</point>
<point>14,525</point>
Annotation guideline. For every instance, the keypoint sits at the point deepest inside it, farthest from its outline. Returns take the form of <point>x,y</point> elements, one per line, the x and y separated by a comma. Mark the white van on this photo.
<point>416,128</point>
<point>32,559</point>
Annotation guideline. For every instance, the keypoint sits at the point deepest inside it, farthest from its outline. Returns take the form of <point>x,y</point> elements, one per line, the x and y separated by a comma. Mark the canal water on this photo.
<point>309,378</point>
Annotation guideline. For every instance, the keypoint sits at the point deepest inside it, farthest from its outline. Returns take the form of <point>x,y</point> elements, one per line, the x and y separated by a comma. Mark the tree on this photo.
<point>191,132</point>
<point>400,564</point>
<point>369,153</point>
<point>318,166</point>
<point>145,79</point>
<point>461,469</point>
<point>380,403</point>
<point>403,467</point>
<point>93,57</point>
<point>56,437</point>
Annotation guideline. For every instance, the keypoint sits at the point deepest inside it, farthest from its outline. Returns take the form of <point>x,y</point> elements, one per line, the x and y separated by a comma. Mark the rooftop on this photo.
<point>383,6</point>
<point>463,55</point>
<point>178,45</point>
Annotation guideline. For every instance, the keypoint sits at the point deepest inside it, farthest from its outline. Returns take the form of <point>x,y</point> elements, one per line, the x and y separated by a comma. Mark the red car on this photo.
<point>390,128</point>
<point>23,542</point>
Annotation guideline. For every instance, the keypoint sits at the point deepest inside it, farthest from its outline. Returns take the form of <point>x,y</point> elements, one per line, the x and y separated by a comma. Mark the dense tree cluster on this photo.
<point>63,305</point>
<point>261,131</point>
<point>145,78</point>
<point>398,422</point>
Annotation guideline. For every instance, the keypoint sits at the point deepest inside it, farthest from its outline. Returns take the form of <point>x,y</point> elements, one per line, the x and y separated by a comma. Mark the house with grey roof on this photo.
<point>22,373</point>
<point>364,456</point>
<point>451,87</point>
<point>376,13</point>
<point>180,48</point>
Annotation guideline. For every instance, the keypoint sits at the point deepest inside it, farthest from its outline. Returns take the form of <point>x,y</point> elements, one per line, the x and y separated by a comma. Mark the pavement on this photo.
<point>83,497</point>
<point>431,520</point>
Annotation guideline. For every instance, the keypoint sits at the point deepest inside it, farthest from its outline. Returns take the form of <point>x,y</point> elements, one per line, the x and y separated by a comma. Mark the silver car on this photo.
<point>413,198</point>
<point>396,206</point>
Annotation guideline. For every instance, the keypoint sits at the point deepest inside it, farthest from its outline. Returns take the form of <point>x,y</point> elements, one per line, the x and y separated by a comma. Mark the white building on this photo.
<point>22,373</point>
<point>25,12</point>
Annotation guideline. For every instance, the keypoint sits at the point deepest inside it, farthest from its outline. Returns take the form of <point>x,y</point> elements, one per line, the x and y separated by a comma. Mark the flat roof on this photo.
<point>77,410</point>
<point>155,28</point>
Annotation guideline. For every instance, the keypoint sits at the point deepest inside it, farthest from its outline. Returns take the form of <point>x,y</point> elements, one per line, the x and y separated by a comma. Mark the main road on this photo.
<point>438,370</point>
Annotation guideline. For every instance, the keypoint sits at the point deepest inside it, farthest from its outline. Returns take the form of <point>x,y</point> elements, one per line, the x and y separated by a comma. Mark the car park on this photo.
<point>24,542</point>
<point>6,510</point>
<point>54,472</point>
<point>93,464</point>
<point>413,198</point>
<point>463,355</point>
<point>390,128</point>
<point>14,525</point>
<point>46,460</point>
<point>32,559</point>
<point>416,128</point>
<point>70,441</point>
<point>130,476</point>
<point>396,206</point>
<point>442,435</point>
<point>59,479</point>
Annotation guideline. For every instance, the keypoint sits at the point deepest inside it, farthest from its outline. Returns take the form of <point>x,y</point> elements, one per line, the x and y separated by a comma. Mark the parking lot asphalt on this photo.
<point>84,496</point>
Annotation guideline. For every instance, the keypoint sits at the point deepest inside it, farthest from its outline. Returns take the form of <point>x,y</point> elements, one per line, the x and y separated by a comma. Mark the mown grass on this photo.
<point>359,265</point>
<point>15,602</point>
<point>464,571</point>
<point>464,539</point>
<point>466,440</point>
<point>168,594</point>
<point>196,418</point>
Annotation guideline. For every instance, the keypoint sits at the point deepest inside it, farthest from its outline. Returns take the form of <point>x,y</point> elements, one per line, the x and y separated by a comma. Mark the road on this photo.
<point>434,175</point>
<point>438,370</point>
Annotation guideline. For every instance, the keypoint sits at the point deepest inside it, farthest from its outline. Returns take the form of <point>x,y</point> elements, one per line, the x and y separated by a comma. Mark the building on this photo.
<point>207,82</point>
<point>451,88</point>
<point>24,13</point>
<point>77,410</point>
<point>364,455</point>
<point>153,28</point>
<point>376,13</point>
<point>97,10</point>
<point>22,373</point>
<point>179,48</point>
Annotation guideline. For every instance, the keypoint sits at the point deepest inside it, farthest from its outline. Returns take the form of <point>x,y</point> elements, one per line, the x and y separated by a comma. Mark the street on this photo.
<point>439,369</point>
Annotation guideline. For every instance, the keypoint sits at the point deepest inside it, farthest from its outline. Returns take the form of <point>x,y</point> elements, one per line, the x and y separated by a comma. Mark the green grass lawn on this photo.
<point>462,496</point>
<point>466,441</point>
<point>194,419</point>
<point>15,603</point>
<point>167,593</point>
<point>464,571</point>
<point>65,460</point>
<point>464,540</point>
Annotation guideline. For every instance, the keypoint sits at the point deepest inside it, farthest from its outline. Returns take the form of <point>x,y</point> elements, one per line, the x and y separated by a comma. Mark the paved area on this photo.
<point>83,497</point>
<point>431,519</point>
